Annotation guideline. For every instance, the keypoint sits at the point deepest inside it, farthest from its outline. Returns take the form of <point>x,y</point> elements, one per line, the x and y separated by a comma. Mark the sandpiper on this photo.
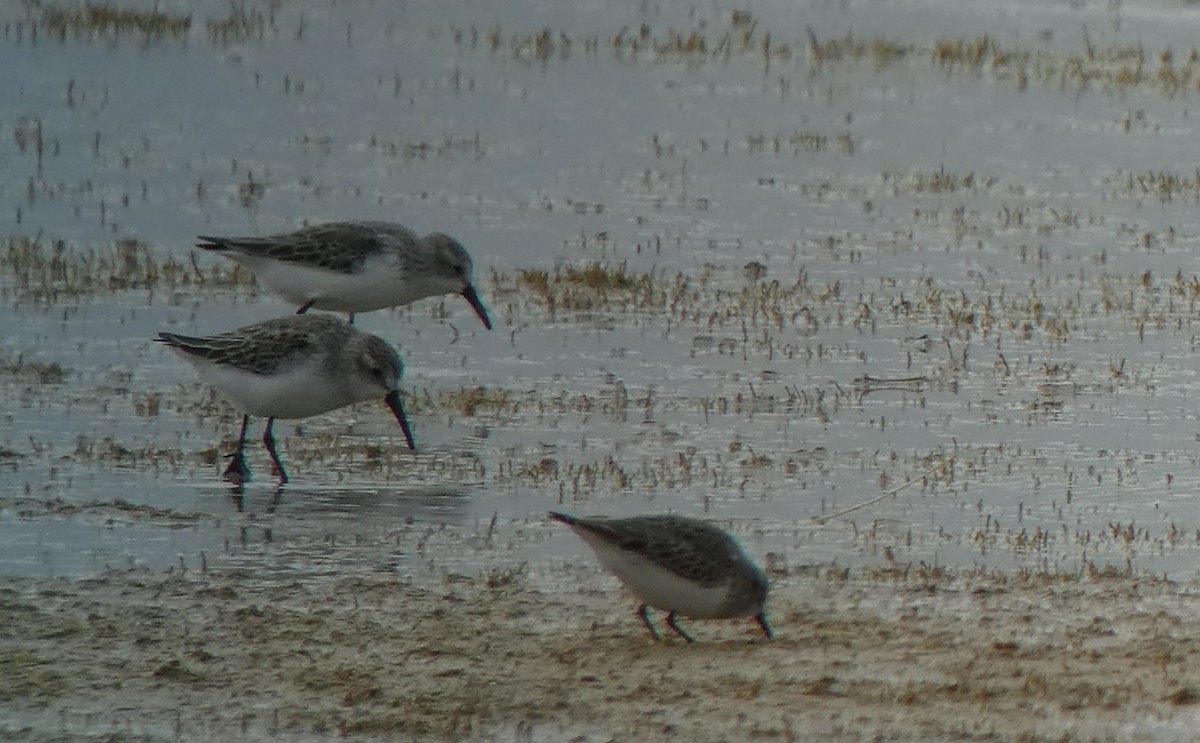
<point>677,564</point>
<point>355,266</point>
<point>293,367</point>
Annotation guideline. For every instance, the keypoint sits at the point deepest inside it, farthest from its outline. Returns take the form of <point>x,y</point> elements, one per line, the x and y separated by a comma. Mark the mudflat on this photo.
<point>865,654</point>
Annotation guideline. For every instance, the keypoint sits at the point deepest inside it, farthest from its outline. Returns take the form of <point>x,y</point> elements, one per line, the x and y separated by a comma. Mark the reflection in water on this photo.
<point>237,496</point>
<point>404,504</point>
<point>286,528</point>
<point>291,530</point>
<point>386,503</point>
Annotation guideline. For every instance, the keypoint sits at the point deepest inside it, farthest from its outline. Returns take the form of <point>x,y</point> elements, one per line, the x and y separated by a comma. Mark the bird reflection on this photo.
<point>424,503</point>
<point>237,496</point>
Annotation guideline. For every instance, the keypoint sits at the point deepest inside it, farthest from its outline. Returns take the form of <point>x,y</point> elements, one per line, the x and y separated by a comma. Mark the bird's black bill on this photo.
<point>393,402</point>
<point>766,628</point>
<point>477,304</point>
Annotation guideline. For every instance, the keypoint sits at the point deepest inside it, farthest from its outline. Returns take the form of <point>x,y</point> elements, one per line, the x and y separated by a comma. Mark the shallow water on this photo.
<point>962,259</point>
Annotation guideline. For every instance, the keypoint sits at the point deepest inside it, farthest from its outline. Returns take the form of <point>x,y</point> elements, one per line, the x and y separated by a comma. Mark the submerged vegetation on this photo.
<point>1162,185</point>
<point>41,271</point>
<point>37,372</point>
<point>1117,68</point>
<point>733,35</point>
<point>731,310</point>
<point>89,21</point>
<point>103,19</point>
<point>465,401</point>
<point>715,302</point>
<point>593,285</point>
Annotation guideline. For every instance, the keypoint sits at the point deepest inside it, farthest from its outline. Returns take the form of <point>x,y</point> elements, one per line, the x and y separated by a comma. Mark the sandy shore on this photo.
<point>858,656</point>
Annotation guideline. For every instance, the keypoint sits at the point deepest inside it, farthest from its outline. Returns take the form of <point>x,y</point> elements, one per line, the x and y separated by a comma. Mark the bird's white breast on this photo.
<point>299,390</point>
<point>658,587</point>
<point>380,282</point>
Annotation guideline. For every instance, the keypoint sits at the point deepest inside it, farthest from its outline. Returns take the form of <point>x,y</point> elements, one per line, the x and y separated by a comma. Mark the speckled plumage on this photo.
<point>678,564</point>
<point>336,246</point>
<point>355,266</point>
<point>294,367</point>
<point>264,347</point>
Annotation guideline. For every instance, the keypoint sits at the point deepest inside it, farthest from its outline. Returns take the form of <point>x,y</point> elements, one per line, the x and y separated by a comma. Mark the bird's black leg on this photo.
<point>237,472</point>
<point>643,612</point>
<point>269,442</point>
<point>306,306</point>
<point>678,630</point>
<point>766,628</point>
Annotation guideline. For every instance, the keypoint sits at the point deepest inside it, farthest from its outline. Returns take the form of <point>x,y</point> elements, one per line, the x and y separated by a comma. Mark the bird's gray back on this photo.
<point>266,347</point>
<point>690,548</point>
<point>342,247</point>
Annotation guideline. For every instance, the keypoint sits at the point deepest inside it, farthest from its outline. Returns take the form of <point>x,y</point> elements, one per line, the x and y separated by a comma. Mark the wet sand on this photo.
<point>887,655</point>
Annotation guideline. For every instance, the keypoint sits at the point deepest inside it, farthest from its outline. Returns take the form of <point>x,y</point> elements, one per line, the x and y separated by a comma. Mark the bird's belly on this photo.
<point>662,589</point>
<point>372,288</point>
<point>294,393</point>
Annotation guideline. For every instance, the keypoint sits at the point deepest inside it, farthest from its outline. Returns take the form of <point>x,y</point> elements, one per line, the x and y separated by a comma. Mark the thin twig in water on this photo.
<point>893,491</point>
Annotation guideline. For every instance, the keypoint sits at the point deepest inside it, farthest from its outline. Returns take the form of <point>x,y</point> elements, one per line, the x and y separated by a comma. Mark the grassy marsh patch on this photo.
<point>31,372</point>
<point>242,24</point>
<point>102,19</point>
<point>466,401</point>
<point>738,311</point>
<point>740,36</point>
<point>96,20</point>
<point>938,181</point>
<point>590,286</point>
<point>1163,186</point>
<point>41,271</point>
<point>25,673</point>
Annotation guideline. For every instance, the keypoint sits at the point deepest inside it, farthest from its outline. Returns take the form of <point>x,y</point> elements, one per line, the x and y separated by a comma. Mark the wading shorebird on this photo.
<point>293,367</point>
<point>677,564</point>
<point>355,267</point>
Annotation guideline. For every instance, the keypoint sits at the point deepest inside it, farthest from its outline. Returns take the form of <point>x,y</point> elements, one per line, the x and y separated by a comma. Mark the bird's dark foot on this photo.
<point>276,465</point>
<point>678,630</point>
<point>766,628</point>
<point>269,442</point>
<point>237,472</point>
<point>644,612</point>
